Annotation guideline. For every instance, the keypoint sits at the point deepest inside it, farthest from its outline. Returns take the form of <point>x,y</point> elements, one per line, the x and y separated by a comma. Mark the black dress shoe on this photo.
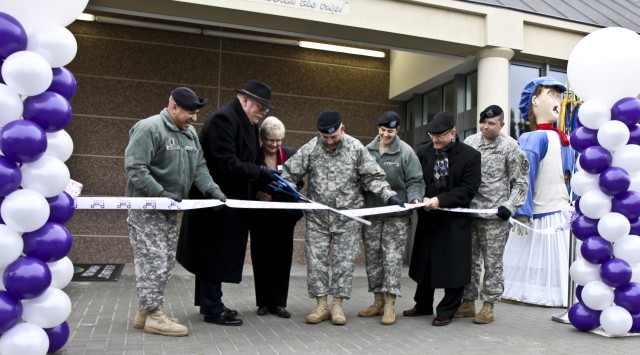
<point>440,321</point>
<point>223,318</point>
<point>415,312</point>
<point>262,310</point>
<point>230,311</point>
<point>281,312</point>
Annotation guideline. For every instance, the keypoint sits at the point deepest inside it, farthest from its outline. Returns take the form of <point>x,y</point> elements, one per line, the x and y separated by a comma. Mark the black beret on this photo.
<point>389,119</point>
<point>490,112</point>
<point>329,121</point>
<point>187,99</point>
<point>441,122</point>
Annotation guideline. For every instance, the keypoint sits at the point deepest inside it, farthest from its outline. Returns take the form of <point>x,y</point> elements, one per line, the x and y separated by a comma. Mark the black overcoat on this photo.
<point>212,244</point>
<point>443,239</point>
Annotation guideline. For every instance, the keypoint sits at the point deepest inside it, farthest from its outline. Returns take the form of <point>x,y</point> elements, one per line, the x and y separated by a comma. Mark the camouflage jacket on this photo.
<point>337,179</point>
<point>504,173</point>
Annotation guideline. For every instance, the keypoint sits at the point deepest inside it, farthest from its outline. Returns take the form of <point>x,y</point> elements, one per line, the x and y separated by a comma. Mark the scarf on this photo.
<point>549,127</point>
<point>441,167</point>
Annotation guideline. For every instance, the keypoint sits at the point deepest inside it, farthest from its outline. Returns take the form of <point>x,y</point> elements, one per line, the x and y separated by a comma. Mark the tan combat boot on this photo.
<point>467,309</point>
<point>158,323</point>
<point>321,312</point>
<point>389,316</point>
<point>376,309</point>
<point>141,317</point>
<point>337,316</point>
<point>486,314</point>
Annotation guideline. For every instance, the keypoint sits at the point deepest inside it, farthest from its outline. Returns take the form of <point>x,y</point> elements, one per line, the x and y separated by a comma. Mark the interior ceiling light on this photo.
<point>242,36</point>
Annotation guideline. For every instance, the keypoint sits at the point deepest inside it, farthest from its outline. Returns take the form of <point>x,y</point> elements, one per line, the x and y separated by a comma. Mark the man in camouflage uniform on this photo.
<point>340,168</point>
<point>163,159</point>
<point>504,185</point>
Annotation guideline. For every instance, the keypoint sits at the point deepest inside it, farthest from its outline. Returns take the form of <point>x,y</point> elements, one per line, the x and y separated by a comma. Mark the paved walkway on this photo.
<point>102,317</point>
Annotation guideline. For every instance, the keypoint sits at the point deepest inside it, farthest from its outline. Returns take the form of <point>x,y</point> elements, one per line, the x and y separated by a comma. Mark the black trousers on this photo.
<point>208,295</point>
<point>271,255</point>
<point>449,304</point>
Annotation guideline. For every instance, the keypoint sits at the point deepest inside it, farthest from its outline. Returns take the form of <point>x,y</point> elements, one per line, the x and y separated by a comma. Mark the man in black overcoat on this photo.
<point>441,256</point>
<point>213,242</point>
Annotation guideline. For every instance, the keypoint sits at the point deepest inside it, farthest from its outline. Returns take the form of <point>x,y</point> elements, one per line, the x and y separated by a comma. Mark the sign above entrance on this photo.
<point>332,6</point>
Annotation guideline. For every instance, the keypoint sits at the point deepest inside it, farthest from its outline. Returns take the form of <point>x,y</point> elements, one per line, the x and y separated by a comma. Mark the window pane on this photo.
<point>450,98</point>
<point>432,104</point>
<point>471,90</point>
<point>519,77</point>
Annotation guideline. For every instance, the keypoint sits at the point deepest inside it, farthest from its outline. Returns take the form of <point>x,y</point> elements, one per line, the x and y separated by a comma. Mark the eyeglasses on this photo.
<point>272,141</point>
<point>441,135</point>
<point>260,106</point>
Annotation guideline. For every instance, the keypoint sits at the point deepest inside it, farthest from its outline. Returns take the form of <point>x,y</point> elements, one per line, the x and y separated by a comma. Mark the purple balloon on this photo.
<point>61,208</point>
<point>13,37</point>
<point>635,327</point>
<point>49,110</point>
<point>635,226</point>
<point>583,227</point>
<point>579,292</point>
<point>27,278</point>
<point>595,159</point>
<point>64,83</point>
<point>583,138</point>
<point>615,272</point>
<point>58,336</point>
<point>626,110</point>
<point>49,243</point>
<point>627,203</point>
<point>10,176</point>
<point>23,141</point>
<point>576,206</point>
<point>596,249</point>
<point>634,135</point>
<point>614,180</point>
<point>628,297</point>
<point>10,311</point>
<point>583,317</point>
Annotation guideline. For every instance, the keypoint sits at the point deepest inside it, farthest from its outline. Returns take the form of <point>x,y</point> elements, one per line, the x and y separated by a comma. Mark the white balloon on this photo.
<point>25,210</point>
<point>583,272</point>
<point>616,320</point>
<point>635,272</point>
<point>594,114</point>
<point>627,248</point>
<point>27,73</point>
<point>59,145</point>
<point>2,288</point>
<point>627,158</point>
<point>582,181</point>
<point>55,43</point>
<point>11,245</point>
<point>595,204</point>
<point>48,176</point>
<point>613,135</point>
<point>613,226</point>
<point>597,295</point>
<point>11,104</point>
<point>61,272</point>
<point>23,339</point>
<point>635,181</point>
<point>34,13</point>
<point>601,66</point>
<point>47,310</point>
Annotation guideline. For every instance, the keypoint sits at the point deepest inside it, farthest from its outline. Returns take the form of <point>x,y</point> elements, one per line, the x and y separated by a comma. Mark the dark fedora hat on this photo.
<point>259,91</point>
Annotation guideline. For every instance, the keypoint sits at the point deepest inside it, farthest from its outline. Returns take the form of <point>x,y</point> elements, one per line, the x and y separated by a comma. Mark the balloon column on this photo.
<point>35,89</point>
<point>603,71</point>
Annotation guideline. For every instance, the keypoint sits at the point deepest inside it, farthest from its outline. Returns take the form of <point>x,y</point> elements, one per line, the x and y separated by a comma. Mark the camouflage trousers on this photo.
<point>153,235</point>
<point>384,243</point>
<point>342,249</point>
<point>488,238</point>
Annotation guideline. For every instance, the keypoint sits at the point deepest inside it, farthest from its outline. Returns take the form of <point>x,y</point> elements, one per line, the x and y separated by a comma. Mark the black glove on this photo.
<point>503,213</point>
<point>267,175</point>
<point>394,200</point>
<point>170,195</point>
<point>216,194</point>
